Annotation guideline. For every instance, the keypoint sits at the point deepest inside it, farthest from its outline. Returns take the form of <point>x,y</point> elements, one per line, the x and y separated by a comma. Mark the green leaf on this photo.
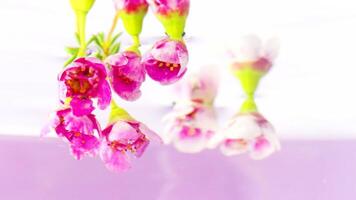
<point>114,48</point>
<point>92,38</point>
<point>115,38</point>
<point>72,50</point>
<point>70,60</point>
<point>98,44</point>
<point>101,37</point>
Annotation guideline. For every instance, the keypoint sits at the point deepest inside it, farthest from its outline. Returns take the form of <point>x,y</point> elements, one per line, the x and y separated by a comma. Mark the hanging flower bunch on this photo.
<point>94,71</point>
<point>192,122</point>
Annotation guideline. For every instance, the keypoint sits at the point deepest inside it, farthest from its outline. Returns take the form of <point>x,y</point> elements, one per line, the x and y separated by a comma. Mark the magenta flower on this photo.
<point>166,62</point>
<point>190,127</point>
<point>131,5</point>
<point>80,131</point>
<point>82,81</point>
<point>167,7</point>
<point>247,132</point>
<point>126,74</point>
<point>124,138</point>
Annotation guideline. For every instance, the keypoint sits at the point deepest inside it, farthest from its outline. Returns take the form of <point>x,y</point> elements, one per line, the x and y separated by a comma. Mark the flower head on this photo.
<point>190,126</point>
<point>80,131</point>
<point>166,62</point>
<point>126,74</point>
<point>248,132</point>
<point>123,138</point>
<point>84,80</point>
<point>172,14</point>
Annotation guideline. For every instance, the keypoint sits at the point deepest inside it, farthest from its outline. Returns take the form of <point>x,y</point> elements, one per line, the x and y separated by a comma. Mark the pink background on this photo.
<point>33,168</point>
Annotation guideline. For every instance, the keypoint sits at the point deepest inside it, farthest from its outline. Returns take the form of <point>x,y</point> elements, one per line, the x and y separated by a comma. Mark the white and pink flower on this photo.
<point>247,133</point>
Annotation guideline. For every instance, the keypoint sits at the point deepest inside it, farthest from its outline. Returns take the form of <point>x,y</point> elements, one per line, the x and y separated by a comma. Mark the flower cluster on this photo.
<point>123,137</point>
<point>84,85</point>
<point>167,60</point>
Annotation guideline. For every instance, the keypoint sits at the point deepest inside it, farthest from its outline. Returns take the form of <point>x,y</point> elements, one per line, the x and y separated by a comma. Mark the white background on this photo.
<point>310,92</point>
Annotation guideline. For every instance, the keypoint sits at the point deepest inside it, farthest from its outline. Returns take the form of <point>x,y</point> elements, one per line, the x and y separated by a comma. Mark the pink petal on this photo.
<point>81,107</point>
<point>104,95</point>
<point>114,160</point>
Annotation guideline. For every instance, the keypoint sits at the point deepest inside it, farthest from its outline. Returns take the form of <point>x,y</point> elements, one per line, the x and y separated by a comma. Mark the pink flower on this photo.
<point>82,81</point>
<point>167,61</point>
<point>131,5</point>
<point>126,74</point>
<point>122,140</point>
<point>247,132</point>
<point>190,126</point>
<point>166,7</point>
<point>80,131</point>
<point>252,53</point>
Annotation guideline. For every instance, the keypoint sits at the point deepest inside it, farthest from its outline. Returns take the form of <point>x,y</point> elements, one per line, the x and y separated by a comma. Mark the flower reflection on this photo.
<point>192,122</point>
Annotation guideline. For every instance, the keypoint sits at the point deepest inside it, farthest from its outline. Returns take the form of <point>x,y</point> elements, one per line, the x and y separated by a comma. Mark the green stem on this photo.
<point>81,21</point>
<point>107,42</point>
<point>248,105</point>
<point>136,40</point>
<point>117,113</point>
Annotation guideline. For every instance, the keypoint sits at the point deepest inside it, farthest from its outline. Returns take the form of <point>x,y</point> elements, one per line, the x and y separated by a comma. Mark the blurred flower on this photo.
<point>189,127</point>
<point>201,86</point>
<point>252,59</point>
<point>122,138</point>
<point>192,122</point>
<point>166,62</point>
<point>81,132</point>
<point>247,132</point>
<point>172,14</point>
<point>126,74</point>
<point>83,80</point>
<point>132,13</point>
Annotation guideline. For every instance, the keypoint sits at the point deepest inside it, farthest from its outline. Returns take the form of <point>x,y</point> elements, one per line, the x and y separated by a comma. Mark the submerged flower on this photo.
<point>252,59</point>
<point>132,13</point>
<point>190,127</point>
<point>167,61</point>
<point>172,14</point>
<point>81,132</point>
<point>126,74</point>
<point>123,138</point>
<point>248,132</point>
<point>84,80</point>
